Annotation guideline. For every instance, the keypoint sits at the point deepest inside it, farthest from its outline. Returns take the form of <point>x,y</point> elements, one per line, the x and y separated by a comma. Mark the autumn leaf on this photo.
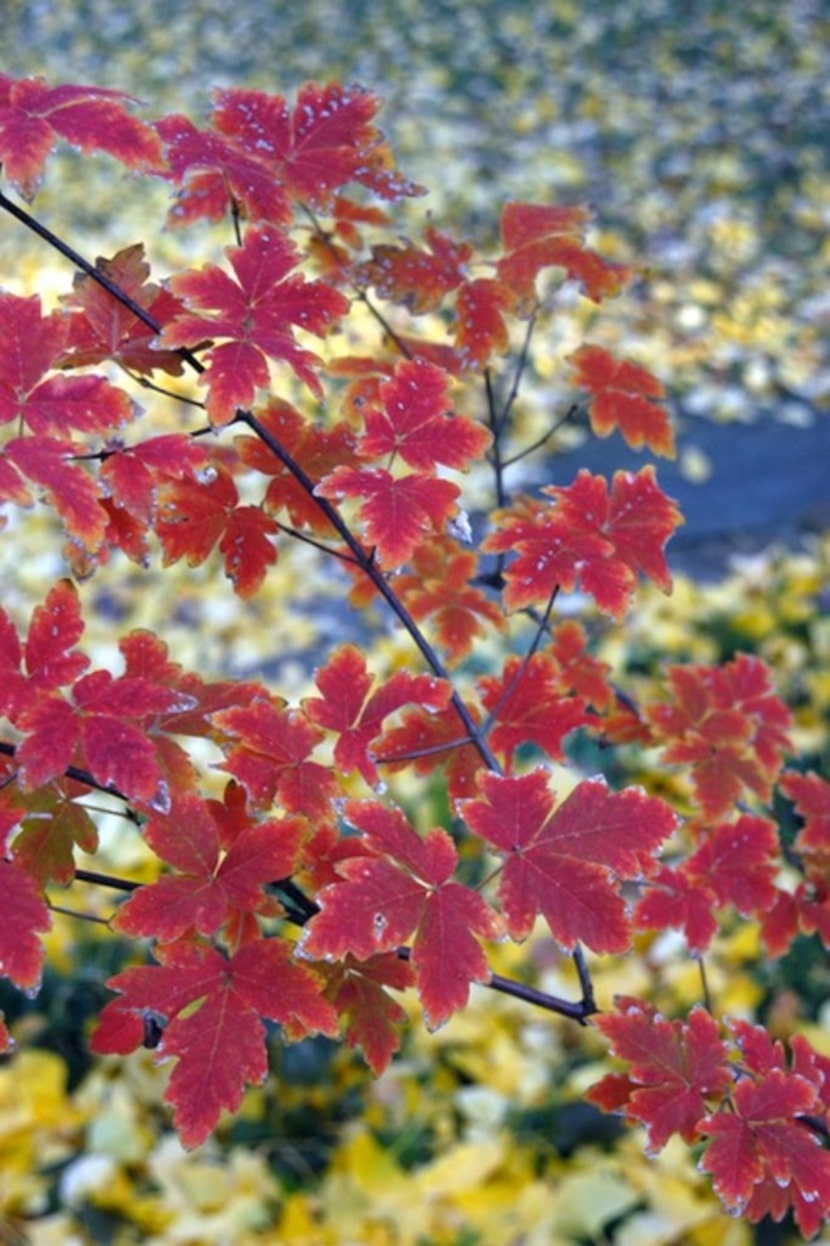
<point>565,863</point>
<point>418,278</point>
<point>397,511</point>
<point>220,1045</point>
<point>527,705</point>
<point>49,655</point>
<point>22,914</point>
<point>674,1067</point>
<point>624,396</point>
<point>371,1018</point>
<point>405,890</point>
<point>256,311</point>
<point>414,421</point>
<point>538,236</point>
<point>350,708</point>
<point>48,463</point>
<point>210,886</point>
<point>586,536</point>
<point>33,116</point>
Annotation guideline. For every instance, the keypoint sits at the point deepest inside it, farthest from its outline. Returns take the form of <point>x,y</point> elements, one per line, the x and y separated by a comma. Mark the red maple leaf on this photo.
<point>33,116</point>
<point>580,671</point>
<point>405,889</point>
<point>371,1018</point>
<point>210,886</point>
<point>220,1046</point>
<point>101,327</point>
<point>586,537</point>
<point>537,236</point>
<point>726,723</point>
<point>267,749</point>
<point>527,705</point>
<point>761,1158</point>
<point>49,656</point>
<point>257,312</point>
<point>133,475</point>
<point>811,796</point>
<point>413,420</point>
<point>195,516</point>
<point>398,511</point>
<point>439,588</point>
<point>425,742</point>
<point>479,327</point>
<point>48,463</point>
<point>418,278</point>
<point>675,900</point>
<point>623,396</point>
<point>318,451</point>
<point>33,345</point>
<point>51,825</point>
<point>350,708</point>
<point>22,914</point>
<point>674,1067</point>
<point>567,864</point>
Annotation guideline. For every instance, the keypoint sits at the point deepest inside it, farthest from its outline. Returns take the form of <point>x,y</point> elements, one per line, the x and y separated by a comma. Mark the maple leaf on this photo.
<point>727,725</point>
<point>47,462</point>
<point>589,537</point>
<point>194,516</point>
<point>350,708</point>
<point>132,475</point>
<point>811,796</point>
<point>49,655</point>
<point>34,344</point>
<point>479,328</point>
<point>398,511</point>
<point>100,327</point>
<point>318,451</point>
<point>419,279</point>
<point>372,1019</point>
<point>527,705</point>
<point>51,825</point>
<point>267,750</point>
<point>580,671</point>
<point>405,889</point>
<point>22,914</point>
<point>676,900</point>
<point>566,864</point>
<point>537,236</point>
<point>438,588</point>
<point>426,741</point>
<point>211,885</point>
<point>257,312</point>
<point>413,420</point>
<point>674,1067</point>
<point>759,1144</point>
<point>623,396</point>
<point>220,1047</point>
<point>33,116</point>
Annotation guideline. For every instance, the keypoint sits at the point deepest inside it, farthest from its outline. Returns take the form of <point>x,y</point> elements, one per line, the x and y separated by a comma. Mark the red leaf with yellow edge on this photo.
<point>47,462</point>
<point>418,278</point>
<point>22,914</point>
<point>414,421</point>
<point>257,310</point>
<point>527,705</point>
<point>405,890</point>
<point>267,750</point>
<point>624,396</point>
<point>347,707</point>
<point>34,115</point>
<point>372,1019</point>
<point>674,1068</point>
<point>537,236</point>
<point>220,1046</point>
<point>398,511</point>
<point>50,828</point>
<point>566,863</point>
<point>211,886</point>
<point>102,328</point>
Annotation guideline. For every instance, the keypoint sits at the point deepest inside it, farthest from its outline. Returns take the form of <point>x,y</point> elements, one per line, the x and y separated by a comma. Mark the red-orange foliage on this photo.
<point>366,467</point>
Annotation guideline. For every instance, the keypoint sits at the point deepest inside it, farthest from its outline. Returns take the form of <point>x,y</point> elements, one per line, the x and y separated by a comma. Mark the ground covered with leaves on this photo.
<point>698,139</point>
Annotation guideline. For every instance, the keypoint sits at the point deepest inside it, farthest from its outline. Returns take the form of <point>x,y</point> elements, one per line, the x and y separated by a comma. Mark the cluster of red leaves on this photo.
<point>764,1115</point>
<point>372,477</point>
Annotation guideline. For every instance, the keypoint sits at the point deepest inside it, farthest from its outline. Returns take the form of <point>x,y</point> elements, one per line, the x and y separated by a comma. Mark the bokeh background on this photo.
<point>698,132</point>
